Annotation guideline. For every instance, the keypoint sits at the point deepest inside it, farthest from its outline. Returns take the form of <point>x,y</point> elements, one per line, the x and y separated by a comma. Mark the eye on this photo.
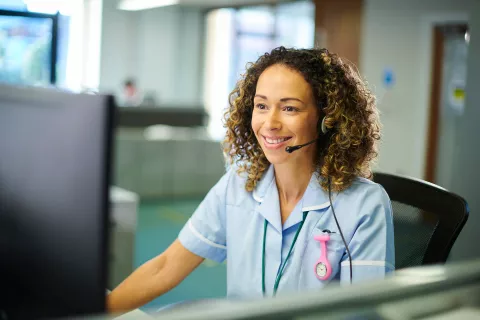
<point>290,109</point>
<point>261,106</point>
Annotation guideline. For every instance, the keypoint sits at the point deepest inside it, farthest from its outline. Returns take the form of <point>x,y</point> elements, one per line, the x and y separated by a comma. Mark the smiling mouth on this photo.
<point>276,141</point>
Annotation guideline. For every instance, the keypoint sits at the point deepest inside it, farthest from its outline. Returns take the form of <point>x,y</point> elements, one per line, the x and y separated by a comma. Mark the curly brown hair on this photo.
<point>341,96</point>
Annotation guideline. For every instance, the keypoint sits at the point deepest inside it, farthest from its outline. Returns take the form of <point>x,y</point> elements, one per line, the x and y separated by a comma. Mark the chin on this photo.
<point>276,159</point>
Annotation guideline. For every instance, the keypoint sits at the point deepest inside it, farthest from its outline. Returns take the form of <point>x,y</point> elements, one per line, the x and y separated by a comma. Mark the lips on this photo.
<point>275,142</point>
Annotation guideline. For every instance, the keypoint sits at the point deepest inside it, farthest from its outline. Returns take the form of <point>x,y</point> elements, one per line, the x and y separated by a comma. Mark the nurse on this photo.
<point>296,210</point>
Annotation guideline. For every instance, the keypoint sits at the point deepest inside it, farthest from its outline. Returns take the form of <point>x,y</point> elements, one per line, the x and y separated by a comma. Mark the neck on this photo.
<point>292,180</point>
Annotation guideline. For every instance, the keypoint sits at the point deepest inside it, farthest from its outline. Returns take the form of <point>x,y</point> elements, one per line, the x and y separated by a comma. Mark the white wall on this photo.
<point>161,48</point>
<point>398,34</point>
<point>467,175</point>
<point>119,45</point>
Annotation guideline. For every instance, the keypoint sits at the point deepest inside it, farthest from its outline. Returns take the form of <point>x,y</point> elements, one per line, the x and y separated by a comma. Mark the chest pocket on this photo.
<point>313,251</point>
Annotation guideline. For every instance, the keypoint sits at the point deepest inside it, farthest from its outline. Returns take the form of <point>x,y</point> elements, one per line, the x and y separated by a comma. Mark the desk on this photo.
<point>181,116</point>
<point>124,212</point>
<point>162,163</point>
<point>134,315</point>
<point>442,292</point>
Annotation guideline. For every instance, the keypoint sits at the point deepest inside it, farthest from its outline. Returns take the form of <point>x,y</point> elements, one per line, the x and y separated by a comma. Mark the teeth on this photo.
<point>276,141</point>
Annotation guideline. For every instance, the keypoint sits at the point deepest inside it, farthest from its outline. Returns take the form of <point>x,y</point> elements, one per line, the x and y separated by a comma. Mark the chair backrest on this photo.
<point>427,219</point>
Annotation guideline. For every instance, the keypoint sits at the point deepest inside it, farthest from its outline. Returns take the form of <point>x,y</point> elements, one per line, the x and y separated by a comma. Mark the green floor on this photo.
<point>159,223</point>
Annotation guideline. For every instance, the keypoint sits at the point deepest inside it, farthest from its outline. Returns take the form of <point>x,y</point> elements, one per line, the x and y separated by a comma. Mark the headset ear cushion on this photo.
<point>324,127</point>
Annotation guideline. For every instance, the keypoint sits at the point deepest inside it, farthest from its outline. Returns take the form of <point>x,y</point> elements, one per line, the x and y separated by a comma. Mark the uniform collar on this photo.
<point>315,198</point>
<point>263,185</point>
<point>266,194</point>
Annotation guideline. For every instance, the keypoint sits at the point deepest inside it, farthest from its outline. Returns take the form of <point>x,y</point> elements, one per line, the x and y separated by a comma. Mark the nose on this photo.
<point>272,121</point>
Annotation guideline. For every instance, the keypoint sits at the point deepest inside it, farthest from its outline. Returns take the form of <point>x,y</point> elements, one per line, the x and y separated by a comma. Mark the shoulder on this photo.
<point>233,178</point>
<point>232,185</point>
<point>363,189</point>
<point>367,198</point>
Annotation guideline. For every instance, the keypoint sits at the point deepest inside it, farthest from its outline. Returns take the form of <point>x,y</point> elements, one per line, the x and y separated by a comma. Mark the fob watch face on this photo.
<point>321,269</point>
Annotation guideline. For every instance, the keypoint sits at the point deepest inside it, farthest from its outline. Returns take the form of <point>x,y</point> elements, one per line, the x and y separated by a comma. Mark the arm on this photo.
<point>153,278</point>
<point>204,236</point>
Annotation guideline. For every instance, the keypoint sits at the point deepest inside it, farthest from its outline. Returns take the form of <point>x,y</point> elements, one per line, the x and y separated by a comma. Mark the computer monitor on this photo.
<point>55,150</point>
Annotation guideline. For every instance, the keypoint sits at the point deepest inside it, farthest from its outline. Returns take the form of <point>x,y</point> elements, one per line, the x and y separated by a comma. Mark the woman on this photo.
<point>286,221</point>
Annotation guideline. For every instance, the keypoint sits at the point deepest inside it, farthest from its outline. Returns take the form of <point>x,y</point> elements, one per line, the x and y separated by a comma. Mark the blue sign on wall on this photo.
<point>388,78</point>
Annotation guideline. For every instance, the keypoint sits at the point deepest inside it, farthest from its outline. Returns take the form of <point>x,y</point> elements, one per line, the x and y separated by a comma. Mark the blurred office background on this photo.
<point>184,57</point>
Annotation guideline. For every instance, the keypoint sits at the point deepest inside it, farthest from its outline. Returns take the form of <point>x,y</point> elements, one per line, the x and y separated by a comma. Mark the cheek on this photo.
<point>256,124</point>
<point>299,126</point>
<point>312,124</point>
<point>306,127</point>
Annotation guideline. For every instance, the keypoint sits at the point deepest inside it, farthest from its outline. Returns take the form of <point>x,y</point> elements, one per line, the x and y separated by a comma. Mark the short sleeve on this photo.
<point>372,245</point>
<point>204,233</point>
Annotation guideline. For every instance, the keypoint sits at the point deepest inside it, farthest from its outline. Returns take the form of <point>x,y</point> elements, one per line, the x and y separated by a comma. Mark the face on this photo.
<point>284,114</point>
<point>129,90</point>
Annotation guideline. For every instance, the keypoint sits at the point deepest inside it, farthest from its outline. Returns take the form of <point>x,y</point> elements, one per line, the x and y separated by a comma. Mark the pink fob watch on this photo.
<point>322,267</point>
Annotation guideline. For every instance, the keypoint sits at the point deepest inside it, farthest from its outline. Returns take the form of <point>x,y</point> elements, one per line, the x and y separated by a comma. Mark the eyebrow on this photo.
<point>283,99</point>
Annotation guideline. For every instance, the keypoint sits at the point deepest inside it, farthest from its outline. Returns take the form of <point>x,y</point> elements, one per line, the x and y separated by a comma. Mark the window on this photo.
<point>26,47</point>
<point>78,43</point>
<point>236,37</point>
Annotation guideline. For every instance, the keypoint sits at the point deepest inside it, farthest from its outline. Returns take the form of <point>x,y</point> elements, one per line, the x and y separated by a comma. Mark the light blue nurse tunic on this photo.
<point>229,224</point>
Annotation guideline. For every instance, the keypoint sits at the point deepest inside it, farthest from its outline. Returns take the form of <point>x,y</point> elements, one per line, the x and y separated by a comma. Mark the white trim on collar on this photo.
<point>317,207</point>
<point>256,197</point>
<point>264,184</point>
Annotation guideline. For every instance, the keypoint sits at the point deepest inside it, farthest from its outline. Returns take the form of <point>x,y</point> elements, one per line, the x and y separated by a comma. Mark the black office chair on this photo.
<point>427,219</point>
